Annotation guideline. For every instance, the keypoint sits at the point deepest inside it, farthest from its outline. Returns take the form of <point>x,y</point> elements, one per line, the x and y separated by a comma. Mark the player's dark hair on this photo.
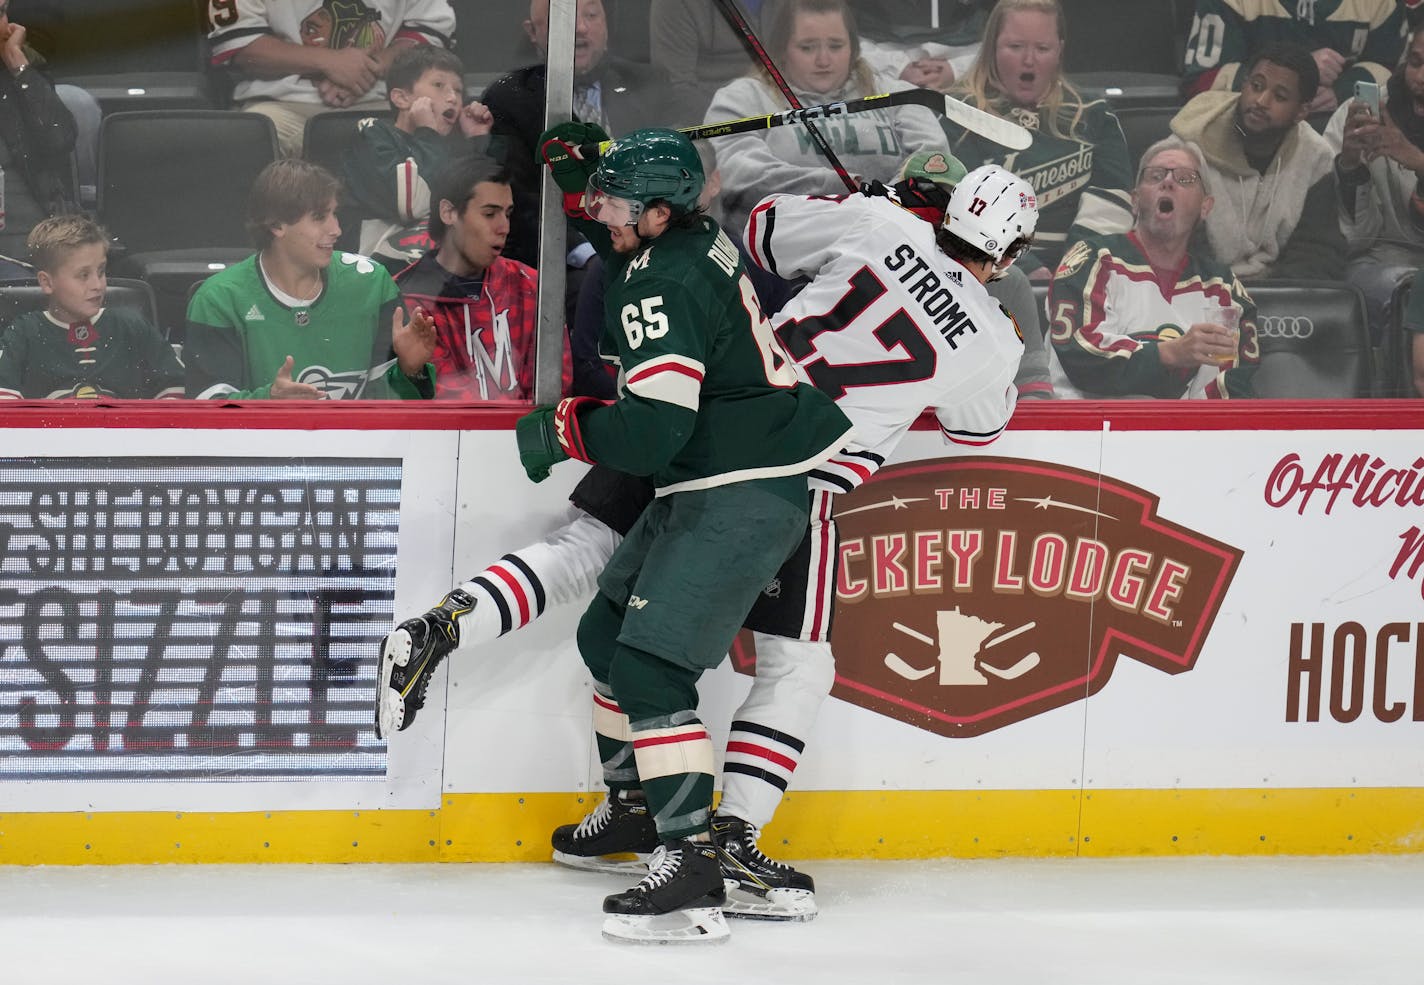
<point>286,190</point>
<point>1292,57</point>
<point>413,61</point>
<point>455,183</point>
<point>52,240</point>
<point>960,250</point>
<point>682,218</point>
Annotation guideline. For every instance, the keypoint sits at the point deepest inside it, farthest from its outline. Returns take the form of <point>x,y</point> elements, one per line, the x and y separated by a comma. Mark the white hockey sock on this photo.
<point>769,730</point>
<point>515,590</point>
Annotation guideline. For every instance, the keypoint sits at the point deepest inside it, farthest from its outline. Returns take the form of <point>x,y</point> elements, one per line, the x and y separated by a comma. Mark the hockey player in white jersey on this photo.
<point>906,306</point>
<point>896,317</point>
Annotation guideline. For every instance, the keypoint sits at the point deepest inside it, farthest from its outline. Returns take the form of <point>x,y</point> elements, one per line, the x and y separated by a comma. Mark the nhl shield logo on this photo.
<point>973,593</point>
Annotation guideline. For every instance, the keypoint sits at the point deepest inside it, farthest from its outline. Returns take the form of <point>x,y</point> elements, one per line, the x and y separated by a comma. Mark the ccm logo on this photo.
<point>1285,326</point>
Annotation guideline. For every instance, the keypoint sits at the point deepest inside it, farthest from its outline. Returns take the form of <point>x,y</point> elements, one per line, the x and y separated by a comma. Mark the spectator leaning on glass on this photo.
<point>1350,40</point>
<point>1378,171</point>
<point>1270,173</point>
<point>1078,162</point>
<point>296,58</point>
<point>814,43</point>
<point>298,320</point>
<point>1138,315</point>
<point>36,143</point>
<point>484,304</point>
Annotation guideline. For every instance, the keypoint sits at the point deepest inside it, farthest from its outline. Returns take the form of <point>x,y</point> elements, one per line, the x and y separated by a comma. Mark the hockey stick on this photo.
<point>740,25</point>
<point>1011,135</point>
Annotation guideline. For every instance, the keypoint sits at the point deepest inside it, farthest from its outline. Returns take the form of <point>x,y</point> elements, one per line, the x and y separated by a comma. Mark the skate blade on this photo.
<point>777,904</point>
<point>635,863</point>
<point>390,706</point>
<point>698,925</point>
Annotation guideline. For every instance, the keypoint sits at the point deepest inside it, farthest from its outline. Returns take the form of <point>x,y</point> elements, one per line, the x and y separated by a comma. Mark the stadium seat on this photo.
<point>1128,52</point>
<point>1397,352</point>
<point>19,297</point>
<point>173,188</point>
<point>325,141</point>
<point>1143,126</point>
<point>1315,341</point>
<point>131,54</point>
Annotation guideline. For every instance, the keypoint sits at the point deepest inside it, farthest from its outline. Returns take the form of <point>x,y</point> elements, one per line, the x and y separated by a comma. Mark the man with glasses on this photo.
<point>1271,174</point>
<point>1138,314</point>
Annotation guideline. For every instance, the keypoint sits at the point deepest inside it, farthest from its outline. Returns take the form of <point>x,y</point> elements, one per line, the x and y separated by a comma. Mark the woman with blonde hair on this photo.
<point>1078,163</point>
<point>817,48</point>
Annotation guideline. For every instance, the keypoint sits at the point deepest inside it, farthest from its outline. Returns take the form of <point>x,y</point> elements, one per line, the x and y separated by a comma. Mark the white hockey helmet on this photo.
<point>993,210</point>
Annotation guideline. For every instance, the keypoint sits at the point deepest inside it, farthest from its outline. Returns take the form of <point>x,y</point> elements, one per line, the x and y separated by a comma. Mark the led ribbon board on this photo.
<point>193,618</point>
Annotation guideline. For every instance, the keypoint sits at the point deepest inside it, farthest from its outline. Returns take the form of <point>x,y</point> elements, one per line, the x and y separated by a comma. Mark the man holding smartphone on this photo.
<point>1379,161</point>
<point>1269,171</point>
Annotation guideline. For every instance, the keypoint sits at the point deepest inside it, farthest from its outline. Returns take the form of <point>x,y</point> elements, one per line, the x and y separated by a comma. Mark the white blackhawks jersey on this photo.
<point>887,327</point>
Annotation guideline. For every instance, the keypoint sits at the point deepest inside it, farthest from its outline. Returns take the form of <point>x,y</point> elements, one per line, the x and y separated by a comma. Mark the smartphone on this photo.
<point>1369,94</point>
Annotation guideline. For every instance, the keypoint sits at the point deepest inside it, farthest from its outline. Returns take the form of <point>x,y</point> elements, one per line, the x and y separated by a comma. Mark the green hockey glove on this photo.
<point>539,448</point>
<point>559,148</point>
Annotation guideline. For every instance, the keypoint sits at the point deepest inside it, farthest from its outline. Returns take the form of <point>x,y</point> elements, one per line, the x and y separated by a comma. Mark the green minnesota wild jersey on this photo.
<point>240,334</point>
<point>117,354</point>
<point>701,375</point>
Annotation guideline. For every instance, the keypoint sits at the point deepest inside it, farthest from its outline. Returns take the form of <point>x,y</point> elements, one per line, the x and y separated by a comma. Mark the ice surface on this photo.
<point>1223,921</point>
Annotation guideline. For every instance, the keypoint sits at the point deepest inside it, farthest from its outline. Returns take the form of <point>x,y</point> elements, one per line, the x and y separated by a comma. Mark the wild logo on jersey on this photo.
<point>973,593</point>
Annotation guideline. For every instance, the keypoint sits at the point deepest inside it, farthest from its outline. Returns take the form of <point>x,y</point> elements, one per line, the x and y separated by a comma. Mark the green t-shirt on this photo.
<point>240,333</point>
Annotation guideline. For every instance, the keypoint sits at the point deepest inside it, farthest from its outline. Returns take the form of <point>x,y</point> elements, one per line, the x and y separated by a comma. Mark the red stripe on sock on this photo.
<point>518,591</point>
<point>603,702</point>
<point>762,752</point>
<point>662,740</point>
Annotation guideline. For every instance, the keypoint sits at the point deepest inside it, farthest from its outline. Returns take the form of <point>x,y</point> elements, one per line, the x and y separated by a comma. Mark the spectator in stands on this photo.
<point>618,94</point>
<point>1078,163</point>
<point>1413,322</point>
<point>815,44</point>
<point>1271,175</point>
<point>696,46</point>
<point>76,347</point>
<point>1349,42</point>
<point>1138,314</point>
<point>389,169</point>
<point>37,136</point>
<point>484,304</point>
<point>288,323</point>
<point>296,59</point>
<point>1378,170</point>
<point>928,45</point>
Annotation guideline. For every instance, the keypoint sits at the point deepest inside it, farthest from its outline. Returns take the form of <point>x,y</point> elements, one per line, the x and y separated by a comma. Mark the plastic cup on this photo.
<point>1229,318</point>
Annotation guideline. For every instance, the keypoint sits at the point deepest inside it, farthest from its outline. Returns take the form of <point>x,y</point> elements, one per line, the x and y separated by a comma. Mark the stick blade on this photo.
<point>987,125</point>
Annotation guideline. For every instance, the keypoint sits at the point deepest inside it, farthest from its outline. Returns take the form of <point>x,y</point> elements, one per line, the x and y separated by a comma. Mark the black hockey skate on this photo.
<point>679,901</point>
<point>758,887</point>
<point>410,655</point>
<point>616,836</point>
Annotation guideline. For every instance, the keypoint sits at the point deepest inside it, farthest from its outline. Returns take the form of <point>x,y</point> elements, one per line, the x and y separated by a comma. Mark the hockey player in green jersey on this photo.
<point>711,409</point>
<point>299,320</point>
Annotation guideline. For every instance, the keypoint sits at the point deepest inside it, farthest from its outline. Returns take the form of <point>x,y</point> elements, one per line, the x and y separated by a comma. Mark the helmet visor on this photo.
<point>610,210</point>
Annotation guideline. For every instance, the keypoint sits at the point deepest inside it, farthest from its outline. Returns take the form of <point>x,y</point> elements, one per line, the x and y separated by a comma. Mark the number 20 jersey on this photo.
<point>887,327</point>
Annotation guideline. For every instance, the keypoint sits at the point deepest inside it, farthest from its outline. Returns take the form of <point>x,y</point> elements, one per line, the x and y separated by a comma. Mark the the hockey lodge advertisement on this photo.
<point>1147,609</point>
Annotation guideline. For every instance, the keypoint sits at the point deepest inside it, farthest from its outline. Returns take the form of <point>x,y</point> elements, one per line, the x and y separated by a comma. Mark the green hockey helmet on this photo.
<point>644,167</point>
